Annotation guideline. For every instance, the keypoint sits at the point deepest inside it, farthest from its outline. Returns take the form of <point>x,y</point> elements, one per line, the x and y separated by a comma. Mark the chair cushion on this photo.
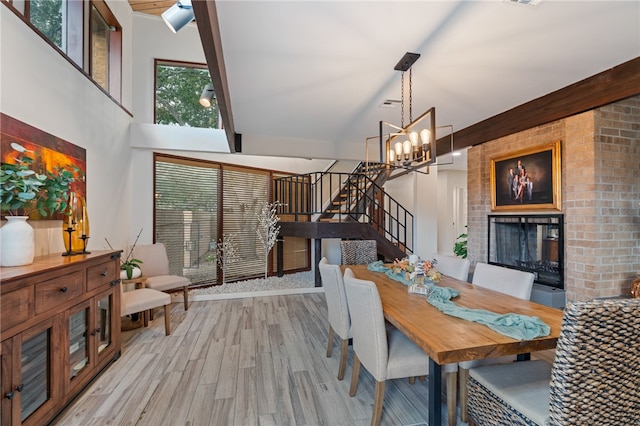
<point>142,299</point>
<point>337,307</point>
<point>167,282</point>
<point>522,385</point>
<point>487,361</point>
<point>405,358</point>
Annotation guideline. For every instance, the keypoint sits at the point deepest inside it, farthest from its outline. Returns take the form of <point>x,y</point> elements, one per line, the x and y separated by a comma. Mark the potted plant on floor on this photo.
<point>23,190</point>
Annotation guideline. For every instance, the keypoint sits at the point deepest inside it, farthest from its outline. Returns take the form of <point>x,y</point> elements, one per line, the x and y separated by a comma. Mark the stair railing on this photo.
<point>344,197</point>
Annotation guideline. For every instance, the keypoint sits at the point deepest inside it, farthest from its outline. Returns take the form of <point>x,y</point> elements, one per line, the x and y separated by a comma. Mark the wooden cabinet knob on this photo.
<point>64,289</point>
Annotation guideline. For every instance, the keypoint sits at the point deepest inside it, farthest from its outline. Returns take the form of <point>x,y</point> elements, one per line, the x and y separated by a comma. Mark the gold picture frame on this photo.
<point>538,187</point>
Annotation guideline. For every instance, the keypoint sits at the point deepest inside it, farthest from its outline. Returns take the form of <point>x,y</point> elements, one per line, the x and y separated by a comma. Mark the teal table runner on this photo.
<point>516,326</point>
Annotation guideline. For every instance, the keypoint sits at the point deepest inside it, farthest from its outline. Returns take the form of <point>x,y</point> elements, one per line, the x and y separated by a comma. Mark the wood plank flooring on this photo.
<point>251,361</point>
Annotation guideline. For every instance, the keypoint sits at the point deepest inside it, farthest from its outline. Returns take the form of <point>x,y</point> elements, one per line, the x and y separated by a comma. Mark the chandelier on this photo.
<point>411,146</point>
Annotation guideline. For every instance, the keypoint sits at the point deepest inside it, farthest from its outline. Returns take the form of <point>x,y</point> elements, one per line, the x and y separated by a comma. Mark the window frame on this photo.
<point>77,36</point>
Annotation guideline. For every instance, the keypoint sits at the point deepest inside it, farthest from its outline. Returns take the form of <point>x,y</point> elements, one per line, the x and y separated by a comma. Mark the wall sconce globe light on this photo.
<point>178,15</point>
<point>207,96</point>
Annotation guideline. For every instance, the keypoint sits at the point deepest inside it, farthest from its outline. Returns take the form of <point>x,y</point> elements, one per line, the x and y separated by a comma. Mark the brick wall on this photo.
<point>600,154</point>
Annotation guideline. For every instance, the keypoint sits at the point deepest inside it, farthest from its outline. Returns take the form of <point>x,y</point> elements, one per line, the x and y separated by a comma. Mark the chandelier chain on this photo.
<point>402,101</point>
<point>410,97</point>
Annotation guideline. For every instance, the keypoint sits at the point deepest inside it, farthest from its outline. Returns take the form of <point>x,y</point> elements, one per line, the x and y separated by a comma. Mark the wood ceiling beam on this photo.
<point>615,84</point>
<point>209,29</point>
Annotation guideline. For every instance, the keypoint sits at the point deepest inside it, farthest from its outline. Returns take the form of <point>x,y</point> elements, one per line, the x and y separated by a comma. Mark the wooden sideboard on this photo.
<point>59,327</point>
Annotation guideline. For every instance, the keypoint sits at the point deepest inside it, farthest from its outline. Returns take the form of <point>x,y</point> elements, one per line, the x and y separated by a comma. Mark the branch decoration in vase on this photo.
<point>268,229</point>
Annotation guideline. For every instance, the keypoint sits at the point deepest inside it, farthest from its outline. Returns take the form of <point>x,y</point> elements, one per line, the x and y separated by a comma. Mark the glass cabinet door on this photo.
<point>34,386</point>
<point>104,323</point>
<point>78,341</point>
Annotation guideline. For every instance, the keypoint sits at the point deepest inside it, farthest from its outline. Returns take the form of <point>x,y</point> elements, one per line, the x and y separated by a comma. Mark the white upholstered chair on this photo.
<point>504,280</point>
<point>384,351</point>
<point>451,266</point>
<point>457,268</point>
<point>142,300</point>
<point>155,267</point>
<point>338,311</point>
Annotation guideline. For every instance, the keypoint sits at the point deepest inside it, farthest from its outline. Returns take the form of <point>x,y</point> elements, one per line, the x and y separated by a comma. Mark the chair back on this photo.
<point>596,376</point>
<point>337,307</point>
<point>454,267</point>
<point>154,259</point>
<point>358,252</point>
<point>508,281</point>
<point>367,325</point>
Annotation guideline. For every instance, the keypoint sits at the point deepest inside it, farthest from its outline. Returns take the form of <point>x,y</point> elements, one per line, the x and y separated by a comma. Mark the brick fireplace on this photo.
<point>600,154</point>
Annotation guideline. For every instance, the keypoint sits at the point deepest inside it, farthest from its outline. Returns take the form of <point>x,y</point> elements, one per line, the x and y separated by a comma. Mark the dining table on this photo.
<point>448,339</point>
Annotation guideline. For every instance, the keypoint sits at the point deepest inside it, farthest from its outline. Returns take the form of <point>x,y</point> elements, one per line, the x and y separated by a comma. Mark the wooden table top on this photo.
<point>448,339</point>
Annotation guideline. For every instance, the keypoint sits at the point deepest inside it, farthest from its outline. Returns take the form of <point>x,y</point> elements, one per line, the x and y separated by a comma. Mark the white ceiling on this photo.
<point>306,78</point>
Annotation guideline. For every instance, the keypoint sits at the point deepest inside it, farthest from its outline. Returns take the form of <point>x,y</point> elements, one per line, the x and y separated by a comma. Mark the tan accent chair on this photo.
<point>358,252</point>
<point>338,310</point>
<point>384,351</point>
<point>504,280</point>
<point>143,300</point>
<point>155,267</point>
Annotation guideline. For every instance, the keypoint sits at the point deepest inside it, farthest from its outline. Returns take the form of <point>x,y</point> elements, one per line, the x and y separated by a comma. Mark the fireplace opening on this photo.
<point>532,243</point>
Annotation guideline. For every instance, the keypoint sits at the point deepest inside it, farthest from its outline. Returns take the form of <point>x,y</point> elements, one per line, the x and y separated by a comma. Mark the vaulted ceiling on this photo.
<point>308,78</point>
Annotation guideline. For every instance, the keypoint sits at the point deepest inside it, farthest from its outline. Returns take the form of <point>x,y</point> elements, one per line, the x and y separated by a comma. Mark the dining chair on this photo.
<point>144,300</point>
<point>457,268</point>
<point>454,267</point>
<point>358,252</point>
<point>338,311</point>
<point>593,380</point>
<point>155,267</point>
<point>504,280</point>
<point>384,351</point>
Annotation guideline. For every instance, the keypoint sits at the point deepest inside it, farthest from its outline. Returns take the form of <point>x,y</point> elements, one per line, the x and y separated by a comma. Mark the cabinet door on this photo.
<point>106,325</point>
<point>33,385</point>
<point>78,360</point>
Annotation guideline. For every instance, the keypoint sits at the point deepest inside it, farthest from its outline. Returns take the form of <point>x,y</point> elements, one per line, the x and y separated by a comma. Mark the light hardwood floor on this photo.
<point>252,361</point>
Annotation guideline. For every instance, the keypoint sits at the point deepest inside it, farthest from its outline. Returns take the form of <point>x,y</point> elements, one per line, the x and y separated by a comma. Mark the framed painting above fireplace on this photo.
<point>528,179</point>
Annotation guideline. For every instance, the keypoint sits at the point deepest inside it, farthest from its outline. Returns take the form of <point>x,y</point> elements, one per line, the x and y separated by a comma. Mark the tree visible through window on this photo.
<point>178,89</point>
<point>46,15</point>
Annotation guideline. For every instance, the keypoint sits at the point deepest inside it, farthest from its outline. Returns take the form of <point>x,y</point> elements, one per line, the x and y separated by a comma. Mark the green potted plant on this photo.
<point>23,191</point>
<point>460,246</point>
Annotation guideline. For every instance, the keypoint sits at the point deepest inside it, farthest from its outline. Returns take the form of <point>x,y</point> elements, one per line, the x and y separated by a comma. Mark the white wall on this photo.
<point>44,90</point>
<point>448,181</point>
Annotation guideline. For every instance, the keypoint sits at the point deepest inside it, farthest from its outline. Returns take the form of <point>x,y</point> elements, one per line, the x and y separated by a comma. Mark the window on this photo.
<point>105,49</point>
<point>178,90</point>
<point>62,23</point>
<point>198,202</point>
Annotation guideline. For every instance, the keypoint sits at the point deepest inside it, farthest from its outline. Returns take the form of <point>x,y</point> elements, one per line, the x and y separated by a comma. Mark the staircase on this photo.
<point>347,206</point>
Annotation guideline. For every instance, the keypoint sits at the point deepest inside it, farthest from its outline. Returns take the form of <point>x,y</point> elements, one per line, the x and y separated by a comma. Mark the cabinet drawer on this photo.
<point>16,307</point>
<point>100,275</point>
<point>52,293</point>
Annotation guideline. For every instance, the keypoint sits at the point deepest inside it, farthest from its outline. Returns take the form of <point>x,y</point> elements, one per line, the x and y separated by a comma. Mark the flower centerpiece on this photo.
<point>412,271</point>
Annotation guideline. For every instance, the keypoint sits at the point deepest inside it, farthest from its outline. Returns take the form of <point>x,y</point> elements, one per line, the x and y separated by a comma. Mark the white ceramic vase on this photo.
<point>17,244</point>
<point>135,273</point>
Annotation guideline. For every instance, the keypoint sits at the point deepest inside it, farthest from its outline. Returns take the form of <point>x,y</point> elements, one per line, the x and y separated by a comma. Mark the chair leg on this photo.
<point>330,342</point>
<point>377,403</point>
<point>343,358</point>
<point>463,375</point>
<point>412,380</point>
<point>152,314</point>
<point>354,377</point>
<point>451,379</point>
<point>145,318</point>
<point>186,297</point>
<point>167,319</point>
